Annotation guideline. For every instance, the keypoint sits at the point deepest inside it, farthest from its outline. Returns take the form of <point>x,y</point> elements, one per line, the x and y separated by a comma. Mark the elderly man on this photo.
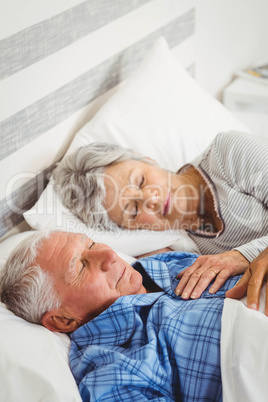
<point>132,337</point>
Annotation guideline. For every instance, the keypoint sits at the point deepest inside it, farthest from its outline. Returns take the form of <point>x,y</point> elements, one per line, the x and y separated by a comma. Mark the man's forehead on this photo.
<point>57,241</point>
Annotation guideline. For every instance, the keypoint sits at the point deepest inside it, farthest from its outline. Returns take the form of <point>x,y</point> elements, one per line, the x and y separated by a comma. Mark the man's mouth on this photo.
<point>124,270</point>
<point>167,204</point>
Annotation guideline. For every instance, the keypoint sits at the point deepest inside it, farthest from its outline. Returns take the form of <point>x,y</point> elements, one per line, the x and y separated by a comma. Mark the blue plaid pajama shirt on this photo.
<point>153,347</point>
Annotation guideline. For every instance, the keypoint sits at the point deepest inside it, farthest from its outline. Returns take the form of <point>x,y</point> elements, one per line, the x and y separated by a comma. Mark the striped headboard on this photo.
<point>59,60</point>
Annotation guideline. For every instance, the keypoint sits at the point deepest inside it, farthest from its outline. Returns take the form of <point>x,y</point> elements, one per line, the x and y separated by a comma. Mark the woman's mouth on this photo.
<point>167,204</point>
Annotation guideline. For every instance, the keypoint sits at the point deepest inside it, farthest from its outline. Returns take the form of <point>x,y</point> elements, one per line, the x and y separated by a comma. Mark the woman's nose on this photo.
<point>133,193</point>
<point>150,198</point>
<point>101,259</point>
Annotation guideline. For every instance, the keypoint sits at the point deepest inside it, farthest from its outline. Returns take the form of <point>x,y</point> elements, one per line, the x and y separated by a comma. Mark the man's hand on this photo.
<point>252,281</point>
<point>195,279</point>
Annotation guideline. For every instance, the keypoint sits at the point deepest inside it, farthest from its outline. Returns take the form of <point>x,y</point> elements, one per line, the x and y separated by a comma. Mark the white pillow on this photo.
<point>34,362</point>
<point>161,112</point>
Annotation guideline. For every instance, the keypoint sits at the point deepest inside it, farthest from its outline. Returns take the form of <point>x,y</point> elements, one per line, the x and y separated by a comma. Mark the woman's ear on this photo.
<point>58,323</point>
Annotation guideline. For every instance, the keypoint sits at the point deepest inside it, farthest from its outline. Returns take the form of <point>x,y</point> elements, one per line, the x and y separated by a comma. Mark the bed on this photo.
<point>122,72</point>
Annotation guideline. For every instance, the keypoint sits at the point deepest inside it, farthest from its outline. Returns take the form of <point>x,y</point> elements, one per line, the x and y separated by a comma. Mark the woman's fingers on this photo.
<point>250,284</point>
<point>185,276</point>
<point>258,272</point>
<point>195,279</point>
<point>219,282</point>
<point>197,274</point>
<point>197,284</point>
<point>220,279</point>
<point>240,289</point>
<point>200,280</point>
<point>254,289</point>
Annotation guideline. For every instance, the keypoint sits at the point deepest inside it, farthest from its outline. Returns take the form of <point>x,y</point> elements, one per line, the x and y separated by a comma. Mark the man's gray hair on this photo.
<point>79,180</point>
<point>25,288</point>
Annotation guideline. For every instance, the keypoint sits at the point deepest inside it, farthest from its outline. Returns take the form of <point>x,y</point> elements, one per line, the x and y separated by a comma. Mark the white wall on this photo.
<point>230,35</point>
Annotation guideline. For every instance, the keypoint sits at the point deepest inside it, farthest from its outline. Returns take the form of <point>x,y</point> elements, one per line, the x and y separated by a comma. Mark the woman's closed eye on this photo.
<point>133,213</point>
<point>142,180</point>
<point>136,210</point>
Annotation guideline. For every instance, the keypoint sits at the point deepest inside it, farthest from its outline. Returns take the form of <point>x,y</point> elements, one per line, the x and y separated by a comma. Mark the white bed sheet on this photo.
<point>244,352</point>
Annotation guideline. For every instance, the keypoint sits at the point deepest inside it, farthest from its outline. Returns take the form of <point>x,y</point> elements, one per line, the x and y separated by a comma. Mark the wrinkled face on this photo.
<point>140,195</point>
<point>88,276</point>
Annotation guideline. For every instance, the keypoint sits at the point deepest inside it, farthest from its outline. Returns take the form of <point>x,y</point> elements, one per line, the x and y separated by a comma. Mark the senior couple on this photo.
<point>151,330</point>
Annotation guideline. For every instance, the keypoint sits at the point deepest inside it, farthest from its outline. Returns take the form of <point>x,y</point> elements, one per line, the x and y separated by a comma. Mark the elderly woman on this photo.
<point>220,199</point>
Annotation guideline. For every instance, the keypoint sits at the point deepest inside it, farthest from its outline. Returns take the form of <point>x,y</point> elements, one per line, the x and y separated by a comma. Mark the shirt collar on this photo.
<point>158,271</point>
<point>116,324</point>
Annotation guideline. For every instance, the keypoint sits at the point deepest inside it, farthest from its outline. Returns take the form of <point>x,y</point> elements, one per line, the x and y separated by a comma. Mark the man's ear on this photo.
<point>56,322</point>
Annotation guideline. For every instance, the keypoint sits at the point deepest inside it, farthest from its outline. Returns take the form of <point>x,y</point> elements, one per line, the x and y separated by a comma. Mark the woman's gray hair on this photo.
<point>79,180</point>
<point>25,288</point>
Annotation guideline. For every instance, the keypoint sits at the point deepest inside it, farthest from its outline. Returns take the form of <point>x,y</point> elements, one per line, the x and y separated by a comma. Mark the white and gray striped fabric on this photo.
<point>235,167</point>
<point>58,61</point>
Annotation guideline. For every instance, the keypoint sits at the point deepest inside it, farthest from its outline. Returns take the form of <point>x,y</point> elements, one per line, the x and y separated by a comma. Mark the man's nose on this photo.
<point>101,259</point>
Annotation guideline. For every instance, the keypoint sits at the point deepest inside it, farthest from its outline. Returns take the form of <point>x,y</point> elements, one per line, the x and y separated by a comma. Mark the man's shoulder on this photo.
<point>116,324</point>
<point>168,256</point>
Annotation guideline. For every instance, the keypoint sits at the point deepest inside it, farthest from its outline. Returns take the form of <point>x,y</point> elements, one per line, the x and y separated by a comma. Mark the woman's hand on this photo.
<point>195,279</point>
<point>252,281</point>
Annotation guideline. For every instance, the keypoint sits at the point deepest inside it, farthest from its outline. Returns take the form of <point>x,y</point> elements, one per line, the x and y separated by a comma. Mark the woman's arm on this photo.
<point>242,162</point>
